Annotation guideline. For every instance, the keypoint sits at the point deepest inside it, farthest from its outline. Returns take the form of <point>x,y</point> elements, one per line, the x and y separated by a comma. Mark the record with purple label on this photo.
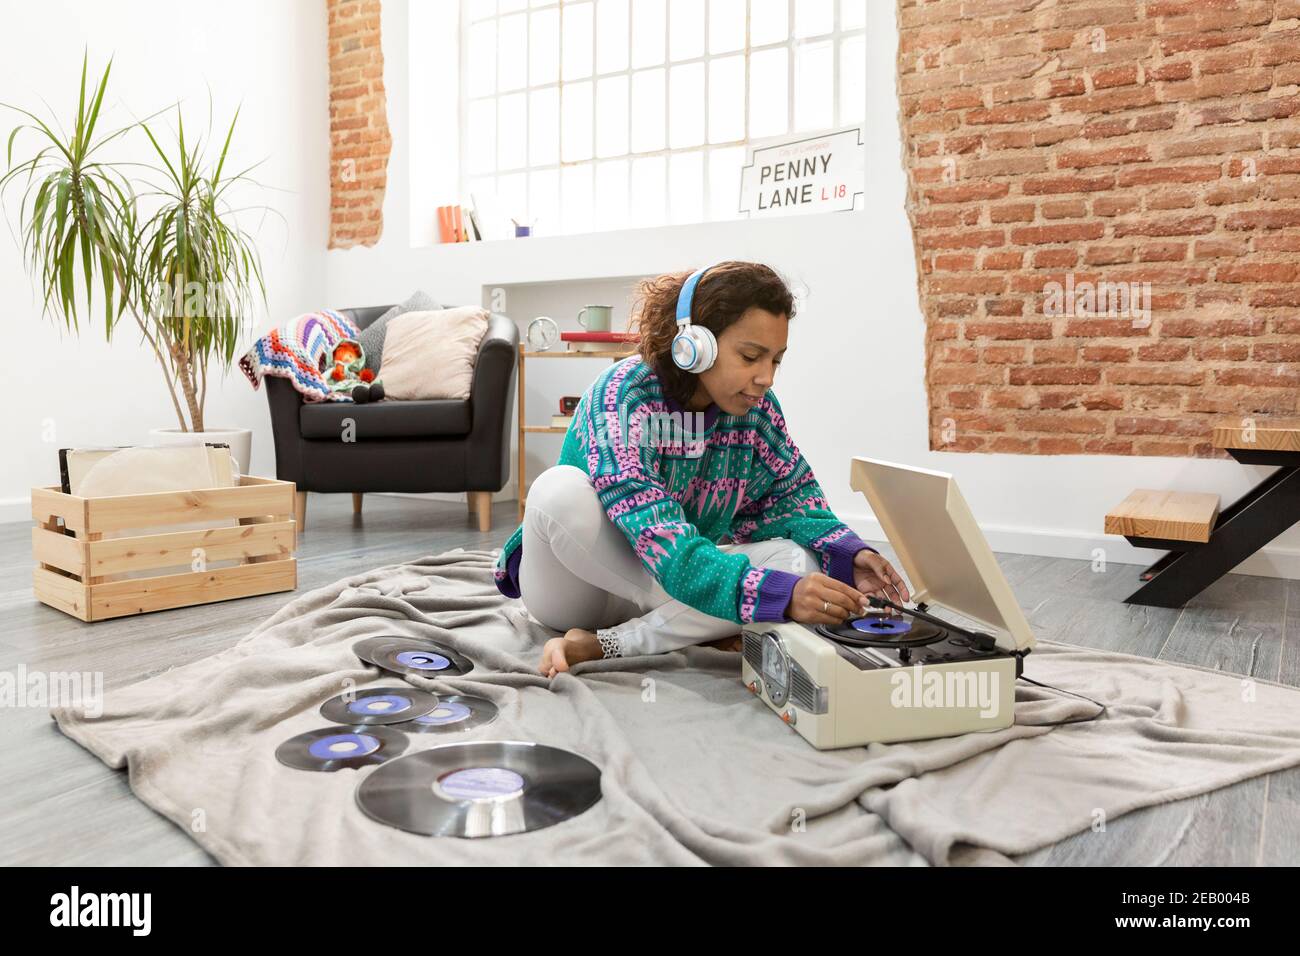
<point>341,747</point>
<point>480,789</point>
<point>379,705</point>
<point>406,655</point>
<point>882,624</point>
<point>453,714</point>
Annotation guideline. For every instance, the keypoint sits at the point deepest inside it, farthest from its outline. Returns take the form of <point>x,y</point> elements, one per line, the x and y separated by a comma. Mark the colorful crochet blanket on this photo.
<point>301,351</point>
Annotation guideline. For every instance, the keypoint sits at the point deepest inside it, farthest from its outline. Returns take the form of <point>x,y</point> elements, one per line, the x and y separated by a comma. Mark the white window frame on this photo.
<point>791,43</point>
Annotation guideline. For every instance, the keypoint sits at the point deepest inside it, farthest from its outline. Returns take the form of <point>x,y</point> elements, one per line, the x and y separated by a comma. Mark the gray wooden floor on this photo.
<point>60,805</point>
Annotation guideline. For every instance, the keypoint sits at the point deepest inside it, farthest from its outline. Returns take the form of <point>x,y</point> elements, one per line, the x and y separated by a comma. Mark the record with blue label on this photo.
<point>453,714</point>
<point>379,705</point>
<point>480,789</point>
<point>882,630</point>
<point>327,749</point>
<point>406,655</point>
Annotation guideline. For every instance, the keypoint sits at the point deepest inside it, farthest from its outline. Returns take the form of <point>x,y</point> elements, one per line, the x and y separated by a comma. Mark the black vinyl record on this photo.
<point>452,714</point>
<point>880,630</point>
<point>379,705</point>
<point>341,747</point>
<point>406,655</point>
<point>480,789</point>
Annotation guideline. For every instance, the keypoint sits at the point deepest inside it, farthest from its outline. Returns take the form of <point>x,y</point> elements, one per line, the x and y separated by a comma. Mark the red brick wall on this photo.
<point>359,139</point>
<point>1120,141</point>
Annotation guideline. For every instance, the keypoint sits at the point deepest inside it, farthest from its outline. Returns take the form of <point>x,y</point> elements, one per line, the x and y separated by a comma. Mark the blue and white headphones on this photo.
<point>694,347</point>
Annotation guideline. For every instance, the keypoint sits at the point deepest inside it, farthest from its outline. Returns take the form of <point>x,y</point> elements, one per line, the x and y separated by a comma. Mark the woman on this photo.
<point>669,451</point>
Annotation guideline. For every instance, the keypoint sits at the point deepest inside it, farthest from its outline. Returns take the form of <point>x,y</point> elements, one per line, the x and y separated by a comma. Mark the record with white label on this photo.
<point>406,655</point>
<point>480,789</point>
<point>341,747</point>
<point>452,714</point>
<point>379,705</point>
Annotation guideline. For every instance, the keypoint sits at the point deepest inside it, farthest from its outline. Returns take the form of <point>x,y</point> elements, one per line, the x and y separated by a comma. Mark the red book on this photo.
<point>600,337</point>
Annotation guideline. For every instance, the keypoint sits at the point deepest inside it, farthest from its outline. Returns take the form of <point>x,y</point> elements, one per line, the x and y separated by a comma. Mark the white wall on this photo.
<point>269,57</point>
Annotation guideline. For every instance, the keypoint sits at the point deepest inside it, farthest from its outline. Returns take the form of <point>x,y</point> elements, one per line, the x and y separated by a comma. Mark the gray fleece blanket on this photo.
<point>694,769</point>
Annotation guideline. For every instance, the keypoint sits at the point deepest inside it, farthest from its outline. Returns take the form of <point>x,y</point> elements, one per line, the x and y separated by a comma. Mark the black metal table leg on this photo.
<point>1251,522</point>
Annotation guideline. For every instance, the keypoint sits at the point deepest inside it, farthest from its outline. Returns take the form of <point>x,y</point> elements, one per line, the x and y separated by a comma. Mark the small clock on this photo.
<point>543,333</point>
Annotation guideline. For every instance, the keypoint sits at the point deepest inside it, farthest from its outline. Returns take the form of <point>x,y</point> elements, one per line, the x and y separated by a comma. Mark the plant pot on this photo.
<point>240,441</point>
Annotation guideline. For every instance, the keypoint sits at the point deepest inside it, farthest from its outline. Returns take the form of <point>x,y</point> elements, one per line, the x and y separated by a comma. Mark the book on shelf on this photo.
<point>600,347</point>
<point>561,421</point>
<point>600,336</point>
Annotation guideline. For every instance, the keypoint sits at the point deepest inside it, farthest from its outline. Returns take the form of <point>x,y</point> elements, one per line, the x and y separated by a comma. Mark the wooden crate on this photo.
<point>73,557</point>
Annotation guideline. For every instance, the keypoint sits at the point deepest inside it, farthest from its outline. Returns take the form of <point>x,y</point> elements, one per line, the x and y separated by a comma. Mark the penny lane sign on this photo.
<point>819,174</point>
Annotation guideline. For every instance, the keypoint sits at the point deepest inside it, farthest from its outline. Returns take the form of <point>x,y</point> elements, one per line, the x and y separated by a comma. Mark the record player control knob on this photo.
<point>753,686</point>
<point>789,716</point>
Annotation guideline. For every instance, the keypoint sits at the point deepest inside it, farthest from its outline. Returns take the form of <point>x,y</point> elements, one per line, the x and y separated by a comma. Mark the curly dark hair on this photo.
<point>721,297</point>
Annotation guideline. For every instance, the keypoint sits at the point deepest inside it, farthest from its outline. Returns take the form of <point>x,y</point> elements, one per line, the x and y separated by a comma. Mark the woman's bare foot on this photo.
<point>561,653</point>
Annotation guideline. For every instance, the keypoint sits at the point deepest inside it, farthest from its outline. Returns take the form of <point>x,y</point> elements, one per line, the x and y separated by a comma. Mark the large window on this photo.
<point>587,115</point>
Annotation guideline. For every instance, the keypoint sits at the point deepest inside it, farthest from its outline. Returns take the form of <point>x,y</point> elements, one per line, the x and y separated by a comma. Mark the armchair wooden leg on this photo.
<point>300,511</point>
<point>480,502</point>
<point>356,502</point>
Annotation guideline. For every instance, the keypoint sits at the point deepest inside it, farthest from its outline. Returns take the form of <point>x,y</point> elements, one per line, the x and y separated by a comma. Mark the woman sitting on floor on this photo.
<point>670,451</point>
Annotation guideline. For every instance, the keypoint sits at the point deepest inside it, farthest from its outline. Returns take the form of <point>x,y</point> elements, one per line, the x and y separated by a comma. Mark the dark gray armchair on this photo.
<point>411,446</point>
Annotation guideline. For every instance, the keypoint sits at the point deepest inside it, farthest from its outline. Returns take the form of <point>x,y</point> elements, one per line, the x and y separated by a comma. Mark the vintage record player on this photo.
<point>902,673</point>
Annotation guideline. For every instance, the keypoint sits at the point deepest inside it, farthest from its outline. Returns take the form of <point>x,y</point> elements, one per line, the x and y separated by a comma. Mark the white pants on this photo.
<point>578,570</point>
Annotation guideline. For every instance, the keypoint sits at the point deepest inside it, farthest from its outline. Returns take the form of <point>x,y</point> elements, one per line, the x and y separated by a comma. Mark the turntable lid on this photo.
<point>943,552</point>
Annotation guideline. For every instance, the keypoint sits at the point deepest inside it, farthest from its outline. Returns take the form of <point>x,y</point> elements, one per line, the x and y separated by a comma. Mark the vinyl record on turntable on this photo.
<point>453,714</point>
<point>379,705</point>
<point>883,630</point>
<point>490,788</point>
<point>406,655</point>
<point>328,749</point>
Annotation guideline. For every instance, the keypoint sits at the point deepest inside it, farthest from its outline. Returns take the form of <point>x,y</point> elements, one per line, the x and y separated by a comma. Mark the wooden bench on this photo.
<point>1204,543</point>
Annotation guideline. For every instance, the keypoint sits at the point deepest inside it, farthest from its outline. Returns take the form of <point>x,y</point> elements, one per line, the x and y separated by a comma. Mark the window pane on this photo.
<point>726,25</point>
<point>768,92</point>
<point>482,51</point>
<point>508,6</point>
<point>648,197</point>
<point>544,126</point>
<point>853,14</point>
<point>724,182</point>
<point>511,198</point>
<point>478,9</point>
<point>544,201</point>
<point>575,121</point>
<point>481,136</point>
<point>727,99</point>
<point>611,194</point>
<point>611,116</point>
<point>686,106</point>
<point>814,17</point>
<point>647,110</point>
<point>686,187</point>
<point>686,23</point>
<point>814,86</point>
<point>648,30</point>
<point>611,36</point>
<point>512,132</point>
<point>853,81</point>
<point>769,21</point>
<point>512,57</point>
<point>575,198</point>
<point>575,61</point>
<point>544,48</point>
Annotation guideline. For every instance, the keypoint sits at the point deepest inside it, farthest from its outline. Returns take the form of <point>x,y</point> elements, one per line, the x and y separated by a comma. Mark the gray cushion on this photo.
<point>372,336</point>
<point>387,419</point>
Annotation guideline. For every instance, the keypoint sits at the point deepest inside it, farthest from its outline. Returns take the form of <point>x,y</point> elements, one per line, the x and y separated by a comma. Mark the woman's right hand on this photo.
<point>821,599</point>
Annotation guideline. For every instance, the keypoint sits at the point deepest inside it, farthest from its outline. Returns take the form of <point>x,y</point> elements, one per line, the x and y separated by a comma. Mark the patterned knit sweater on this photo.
<point>676,481</point>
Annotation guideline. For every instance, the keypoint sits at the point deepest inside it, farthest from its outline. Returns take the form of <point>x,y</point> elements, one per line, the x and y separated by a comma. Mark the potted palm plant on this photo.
<point>161,245</point>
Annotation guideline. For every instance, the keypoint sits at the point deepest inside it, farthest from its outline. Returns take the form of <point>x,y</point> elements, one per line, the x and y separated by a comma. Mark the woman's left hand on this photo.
<point>873,575</point>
